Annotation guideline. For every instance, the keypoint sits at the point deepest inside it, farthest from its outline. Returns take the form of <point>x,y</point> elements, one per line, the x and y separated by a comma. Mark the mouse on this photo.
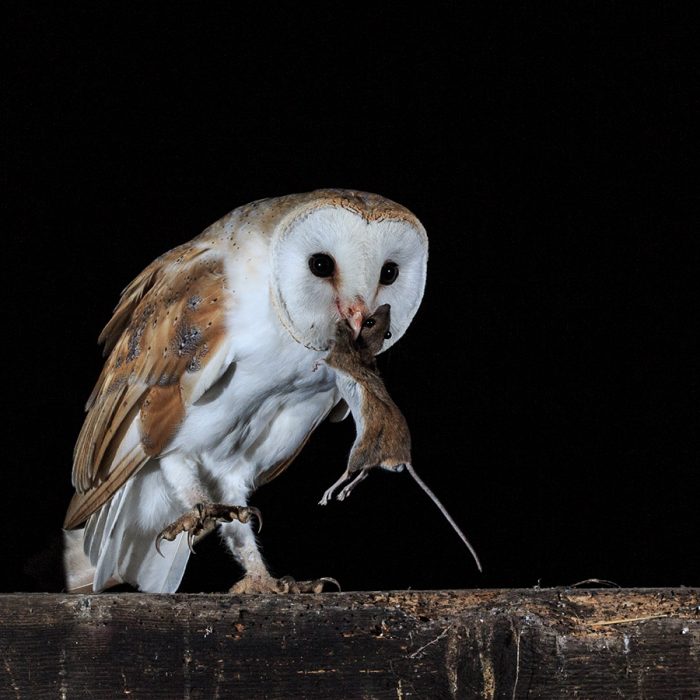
<point>383,439</point>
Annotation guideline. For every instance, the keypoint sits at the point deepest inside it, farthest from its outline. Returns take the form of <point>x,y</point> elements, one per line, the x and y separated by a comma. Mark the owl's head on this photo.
<point>340,254</point>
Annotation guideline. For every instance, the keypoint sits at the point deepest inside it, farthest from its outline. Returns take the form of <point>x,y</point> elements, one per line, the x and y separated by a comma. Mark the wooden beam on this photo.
<point>548,643</point>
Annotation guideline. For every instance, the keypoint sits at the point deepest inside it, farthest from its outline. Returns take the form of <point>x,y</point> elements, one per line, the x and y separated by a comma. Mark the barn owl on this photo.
<point>214,380</point>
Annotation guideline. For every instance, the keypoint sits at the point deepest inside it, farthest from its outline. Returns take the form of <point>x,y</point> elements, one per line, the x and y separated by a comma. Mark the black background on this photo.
<point>549,378</point>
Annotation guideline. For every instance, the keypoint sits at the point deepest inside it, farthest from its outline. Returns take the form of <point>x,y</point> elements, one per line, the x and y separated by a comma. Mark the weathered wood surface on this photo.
<point>541,643</point>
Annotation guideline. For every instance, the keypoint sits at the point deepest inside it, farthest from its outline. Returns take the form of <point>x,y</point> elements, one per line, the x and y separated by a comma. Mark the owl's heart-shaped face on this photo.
<point>335,263</point>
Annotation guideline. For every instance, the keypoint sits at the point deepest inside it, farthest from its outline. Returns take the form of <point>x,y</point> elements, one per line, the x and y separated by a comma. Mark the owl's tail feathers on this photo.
<point>79,572</point>
<point>118,543</point>
<point>142,566</point>
<point>153,574</point>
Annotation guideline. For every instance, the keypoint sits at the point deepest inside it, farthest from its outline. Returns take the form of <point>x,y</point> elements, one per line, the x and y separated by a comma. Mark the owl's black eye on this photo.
<point>389,273</point>
<point>321,264</point>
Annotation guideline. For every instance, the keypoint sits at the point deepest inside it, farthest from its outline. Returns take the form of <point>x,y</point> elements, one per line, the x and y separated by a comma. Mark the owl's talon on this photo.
<point>290,585</point>
<point>329,579</point>
<point>202,519</point>
<point>253,512</point>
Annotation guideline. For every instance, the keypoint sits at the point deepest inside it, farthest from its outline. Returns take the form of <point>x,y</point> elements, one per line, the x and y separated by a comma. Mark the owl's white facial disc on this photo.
<point>331,258</point>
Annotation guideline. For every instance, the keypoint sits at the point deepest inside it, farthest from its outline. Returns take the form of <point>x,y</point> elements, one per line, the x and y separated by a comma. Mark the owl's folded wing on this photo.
<point>166,347</point>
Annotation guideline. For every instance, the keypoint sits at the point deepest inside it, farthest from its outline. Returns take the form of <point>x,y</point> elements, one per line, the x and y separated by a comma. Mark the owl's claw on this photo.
<point>289,585</point>
<point>202,519</point>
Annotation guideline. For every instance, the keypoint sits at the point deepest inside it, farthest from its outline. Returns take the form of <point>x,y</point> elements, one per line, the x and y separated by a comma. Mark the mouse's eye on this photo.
<point>368,323</point>
<point>389,273</point>
<point>321,264</point>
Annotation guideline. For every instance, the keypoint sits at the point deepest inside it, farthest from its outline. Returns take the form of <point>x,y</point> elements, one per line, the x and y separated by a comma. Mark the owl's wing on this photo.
<point>165,345</point>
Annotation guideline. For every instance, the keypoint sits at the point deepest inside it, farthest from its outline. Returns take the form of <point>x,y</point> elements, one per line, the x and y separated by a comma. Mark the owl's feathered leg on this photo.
<point>183,476</point>
<point>240,539</point>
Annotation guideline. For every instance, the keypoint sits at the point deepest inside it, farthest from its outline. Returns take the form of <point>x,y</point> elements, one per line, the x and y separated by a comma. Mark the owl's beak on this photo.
<point>354,313</point>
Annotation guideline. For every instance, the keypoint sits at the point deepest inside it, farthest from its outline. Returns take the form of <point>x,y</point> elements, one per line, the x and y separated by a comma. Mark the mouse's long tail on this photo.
<point>443,510</point>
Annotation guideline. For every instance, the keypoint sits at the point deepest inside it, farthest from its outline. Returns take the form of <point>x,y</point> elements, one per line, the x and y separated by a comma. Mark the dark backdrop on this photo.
<point>548,378</point>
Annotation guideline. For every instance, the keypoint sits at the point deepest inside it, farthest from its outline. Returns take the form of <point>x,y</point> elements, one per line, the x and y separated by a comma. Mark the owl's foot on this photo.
<point>203,518</point>
<point>286,584</point>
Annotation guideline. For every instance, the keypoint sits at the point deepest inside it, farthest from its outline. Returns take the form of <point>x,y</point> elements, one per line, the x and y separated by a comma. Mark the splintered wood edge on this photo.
<point>568,607</point>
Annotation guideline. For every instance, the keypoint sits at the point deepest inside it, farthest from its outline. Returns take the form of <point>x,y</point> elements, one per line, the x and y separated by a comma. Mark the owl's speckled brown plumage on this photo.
<point>169,320</point>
